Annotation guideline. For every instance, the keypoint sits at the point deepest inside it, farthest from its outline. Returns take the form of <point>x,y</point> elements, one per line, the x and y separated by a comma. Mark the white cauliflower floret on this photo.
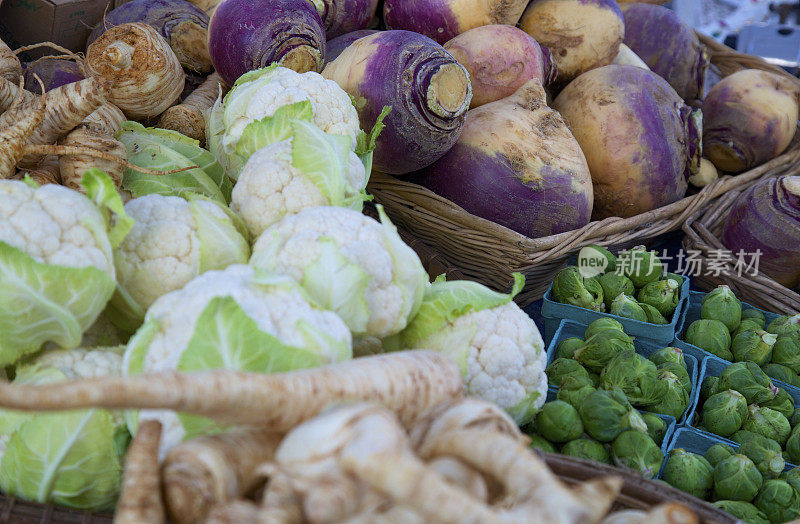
<point>269,187</point>
<point>83,363</point>
<point>349,263</point>
<point>53,225</point>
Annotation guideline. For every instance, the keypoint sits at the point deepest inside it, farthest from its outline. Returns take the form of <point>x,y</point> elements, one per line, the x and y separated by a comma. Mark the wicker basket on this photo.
<point>489,252</point>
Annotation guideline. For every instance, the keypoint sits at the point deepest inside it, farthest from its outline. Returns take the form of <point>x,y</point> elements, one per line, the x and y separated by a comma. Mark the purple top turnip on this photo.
<point>442,20</point>
<point>244,35</point>
<point>766,217</point>
<point>581,34</point>
<point>183,26</point>
<point>641,140</point>
<point>344,16</point>
<point>54,72</point>
<point>428,90</point>
<point>750,117</point>
<point>335,46</point>
<point>500,59</point>
<point>518,165</point>
<point>668,46</point>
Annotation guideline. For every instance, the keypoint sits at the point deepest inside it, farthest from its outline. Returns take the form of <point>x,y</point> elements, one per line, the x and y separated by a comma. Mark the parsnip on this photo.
<point>188,117</point>
<point>9,92</point>
<point>406,382</point>
<point>140,500</point>
<point>45,172</point>
<point>14,131</point>
<point>105,119</point>
<point>212,470</point>
<point>10,68</point>
<point>74,166</point>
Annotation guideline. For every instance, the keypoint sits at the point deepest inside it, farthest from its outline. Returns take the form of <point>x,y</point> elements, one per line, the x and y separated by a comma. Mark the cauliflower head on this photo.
<point>238,318</point>
<point>56,264</point>
<point>348,263</point>
<point>172,241</point>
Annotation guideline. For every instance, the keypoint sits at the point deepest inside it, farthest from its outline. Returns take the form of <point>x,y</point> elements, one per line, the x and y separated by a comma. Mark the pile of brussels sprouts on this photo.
<point>634,286</point>
<point>607,360</point>
<point>737,335</point>
<point>749,482</point>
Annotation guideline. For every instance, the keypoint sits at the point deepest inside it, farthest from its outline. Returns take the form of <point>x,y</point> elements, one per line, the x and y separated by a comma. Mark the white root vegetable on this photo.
<point>188,117</point>
<point>146,75</point>
<point>461,475</point>
<point>74,166</point>
<point>211,470</point>
<point>105,119</point>
<point>14,131</point>
<point>235,512</point>
<point>406,382</point>
<point>666,513</point>
<point>140,499</point>
<point>10,92</point>
<point>10,68</point>
<point>45,172</point>
<point>705,175</point>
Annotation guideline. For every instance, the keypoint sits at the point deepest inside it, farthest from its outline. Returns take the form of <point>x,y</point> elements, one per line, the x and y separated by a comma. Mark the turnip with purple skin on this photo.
<point>335,46</point>
<point>518,165</point>
<point>581,34</point>
<point>766,218</point>
<point>442,20</point>
<point>183,25</point>
<point>750,117</point>
<point>500,59</point>
<point>344,16</point>
<point>53,72</point>
<point>245,35</point>
<point>428,90</point>
<point>668,46</point>
<point>641,141</point>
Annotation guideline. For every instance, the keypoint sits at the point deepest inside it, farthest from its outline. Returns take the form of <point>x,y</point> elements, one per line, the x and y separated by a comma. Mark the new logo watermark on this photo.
<point>591,262</point>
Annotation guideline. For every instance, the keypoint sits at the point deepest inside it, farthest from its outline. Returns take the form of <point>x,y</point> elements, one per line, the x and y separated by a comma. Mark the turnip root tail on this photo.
<point>406,382</point>
<point>188,118</point>
<point>14,131</point>
<point>212,470</point>
<point>140,500</point>
<point>10,68</point>
<point>45,172</point>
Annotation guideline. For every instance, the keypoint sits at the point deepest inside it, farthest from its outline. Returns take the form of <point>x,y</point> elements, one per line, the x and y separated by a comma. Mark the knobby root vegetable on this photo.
<point>207,471</point>
<point>144,73</point>
<point>188,117</point>
<point>74,166</point>
<point>407,382</point>
<point>10,68</point>
<point>61,150</point>
<point>536,183</point>
<point>343,16</point>
<point>14,131</point>
<point>183,25</point>
<point>237,512</point>
<point>105,119</point>
<point>461,475</point>
<point>335,46</point>
<point>140,498</point>
<point>443,20</point>
<point>54,72</point>
<point>581,34</point>
<point>10,92</point>
<point>500,59</point>
<point>244,35</point>
<point>47,171</point>
<point>280,501</point>
<point>428,90</point>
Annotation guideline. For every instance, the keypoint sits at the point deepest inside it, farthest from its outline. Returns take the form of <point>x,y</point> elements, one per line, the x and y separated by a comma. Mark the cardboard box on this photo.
<point>64,22</point>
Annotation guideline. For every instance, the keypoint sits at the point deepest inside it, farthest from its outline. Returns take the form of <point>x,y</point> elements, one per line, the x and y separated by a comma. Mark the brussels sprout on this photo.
<point>614,285</point>
<point>636,450</point>
<point>721,304</point>
<point>566,348</point>
<point>606,414</point>
<point>791,476</point>
<point>749,380</point>
<point>786,351</point>
<point>782,403</point>
<point>711,336</point>
<point>609,256</point>
<point>785,325</point>
<point>640,265</point>
<point>766,454</point>
<point>539,442</point>
<point>680,372</point>
<point>742,510</point>
<point>674,276</point>
<point>753,346</point>
<point>599,349</point>
<point>574,389</point>
<point>742,436</point>
<point>656,427</point>
<point>737,478</point>
<point>595,378</point>
<point>709,387</point>
<point>558,421</point>
<point>754,315</point>
<point>626,307</point>
<point>767,422</point>
<point>724,413</point>
<point>588,449</point>
<point>564,367</point>
<point>569,287</point>
<point>668,354</point>
<point>675,399</point>
<point>795,418</point>
<point>747,325</point>
<point>653,316</point>
<point>663,295</point>
<point>603,324</point>
<point>781,372</point>
<point>717,453</point>
<point>689,472</point>
<point>627,371</point>
<point>778,500</point>
<point>793,446</point>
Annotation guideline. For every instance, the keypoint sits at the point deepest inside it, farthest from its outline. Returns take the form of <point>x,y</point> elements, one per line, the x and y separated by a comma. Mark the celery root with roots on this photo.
<point>188,117</point>
<point>140,499</point>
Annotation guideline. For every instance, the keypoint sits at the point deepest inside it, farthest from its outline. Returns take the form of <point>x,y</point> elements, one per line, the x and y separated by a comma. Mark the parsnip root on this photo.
<point>140,500</point>
<point>45,172</point>
<point>10,68</point>
<point>14,132</point>
<point>188,118</point>
<point>74,166</point>
<point>105,119</point>
<point>10,92</point>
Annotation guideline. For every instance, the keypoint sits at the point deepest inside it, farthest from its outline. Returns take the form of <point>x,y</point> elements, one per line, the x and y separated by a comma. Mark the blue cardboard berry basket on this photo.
<point>554,312</point>
<point>568,329</point>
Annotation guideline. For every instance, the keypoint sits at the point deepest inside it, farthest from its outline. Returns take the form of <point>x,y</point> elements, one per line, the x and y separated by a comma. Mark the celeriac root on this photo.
<point>74,166</point>
<point>213,470</point>
<point>10,68</point>
<point>140,500</point>
<point>406,382</point>
<point>188,117</point>
<point>45,172</point>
